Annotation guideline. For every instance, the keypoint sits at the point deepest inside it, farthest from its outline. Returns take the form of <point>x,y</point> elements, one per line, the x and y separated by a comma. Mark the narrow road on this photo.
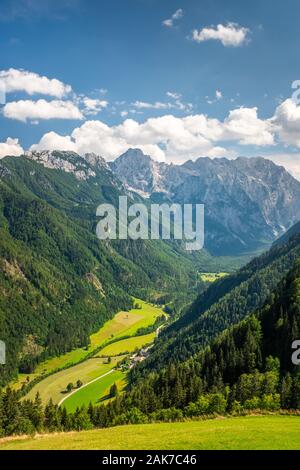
<point>158,330</point>
<point>98,378</point>
<point>85,385</point>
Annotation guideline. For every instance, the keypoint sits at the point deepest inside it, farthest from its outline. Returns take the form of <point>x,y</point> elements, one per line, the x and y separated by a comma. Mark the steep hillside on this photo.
<point>246,367</point>
<point>294,230</point>
<point>48,302</point>
<point>224,303</point>
<point>58,282</point>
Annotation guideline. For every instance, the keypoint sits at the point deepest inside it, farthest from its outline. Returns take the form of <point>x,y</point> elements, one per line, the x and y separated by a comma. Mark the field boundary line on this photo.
<point>85,385</point>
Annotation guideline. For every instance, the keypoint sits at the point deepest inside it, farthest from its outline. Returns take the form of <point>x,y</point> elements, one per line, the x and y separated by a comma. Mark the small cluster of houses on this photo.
<point>137,357</point>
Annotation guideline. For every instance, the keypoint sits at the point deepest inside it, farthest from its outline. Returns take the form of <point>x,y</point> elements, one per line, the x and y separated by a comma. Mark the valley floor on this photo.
<point>272,432</point>
<point>99,367</point>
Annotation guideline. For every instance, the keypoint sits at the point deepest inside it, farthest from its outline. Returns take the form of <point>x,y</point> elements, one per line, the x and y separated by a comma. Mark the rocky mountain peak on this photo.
<point>248,201</point>
<point>138,171</point>
<point>70,162</point>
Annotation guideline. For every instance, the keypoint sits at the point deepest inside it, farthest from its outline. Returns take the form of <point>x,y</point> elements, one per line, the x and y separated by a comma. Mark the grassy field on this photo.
<point>123,324</point>
<point>128,345</point>
<point>211,277</point>
<point>95,392</point>
<point>127,323</point>
<point>54,386</point>
<point>52,364</point>
<point>253,433</point>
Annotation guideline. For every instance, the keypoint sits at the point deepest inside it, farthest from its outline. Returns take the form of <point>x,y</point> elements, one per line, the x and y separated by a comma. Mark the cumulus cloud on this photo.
<point>169,23</point>
<point>10,147</point>
<point>54,141</point>
<point>25,110</point>
<point>31,83</point>
<point>230,35</point>
<point>166,137</point>
<point>93,106</point>
<point>287,122</point>
<point>243,125</point>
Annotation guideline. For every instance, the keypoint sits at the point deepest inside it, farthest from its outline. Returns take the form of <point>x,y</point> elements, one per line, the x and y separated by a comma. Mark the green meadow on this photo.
<point>122,324</point>
<point>127,323</point>
<point>211,277</point>
<point>128,345</point>
<point>243,433</point>
<point>55,385</point>
<point>94,393</point>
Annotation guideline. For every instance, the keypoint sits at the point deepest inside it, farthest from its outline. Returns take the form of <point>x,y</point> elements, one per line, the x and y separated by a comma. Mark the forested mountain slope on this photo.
<point>223,304</point>
<point>248,366</point>
<point>294,230</point>
<point>58,282</point>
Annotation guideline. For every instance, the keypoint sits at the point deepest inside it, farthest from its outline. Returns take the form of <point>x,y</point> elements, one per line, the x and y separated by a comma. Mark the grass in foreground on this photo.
<point>245,433</point>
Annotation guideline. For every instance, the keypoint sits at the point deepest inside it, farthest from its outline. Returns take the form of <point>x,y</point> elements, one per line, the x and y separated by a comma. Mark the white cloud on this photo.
<point>218,97</point>
<point>243,125</point>
<point>10,147</point>
<point>93,106</point>
<point>31,83</point>
<point>54,141</point>
<point>169,23</point>
<point>24,110</point>
<point>177,103</point>
<point>287,122</point>
<point>173,95</point>
<point>145,105</point>
<point>230,35</point>
<point>167,137</point>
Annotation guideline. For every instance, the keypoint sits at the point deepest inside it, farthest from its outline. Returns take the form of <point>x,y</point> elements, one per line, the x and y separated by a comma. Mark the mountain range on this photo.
<point>58,282</point>
<point>226,346</point>
<point>47,224</point>
<point>249,202</point>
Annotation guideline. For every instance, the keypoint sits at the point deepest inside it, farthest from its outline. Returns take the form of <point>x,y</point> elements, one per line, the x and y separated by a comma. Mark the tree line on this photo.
<point>246,368</point>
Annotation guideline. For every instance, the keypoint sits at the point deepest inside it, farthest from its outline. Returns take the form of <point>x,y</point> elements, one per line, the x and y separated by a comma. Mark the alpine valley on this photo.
<point>147,331</point>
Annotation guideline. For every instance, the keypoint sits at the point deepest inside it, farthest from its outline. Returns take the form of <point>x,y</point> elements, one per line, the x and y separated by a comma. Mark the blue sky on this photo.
<point>126,64</point>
